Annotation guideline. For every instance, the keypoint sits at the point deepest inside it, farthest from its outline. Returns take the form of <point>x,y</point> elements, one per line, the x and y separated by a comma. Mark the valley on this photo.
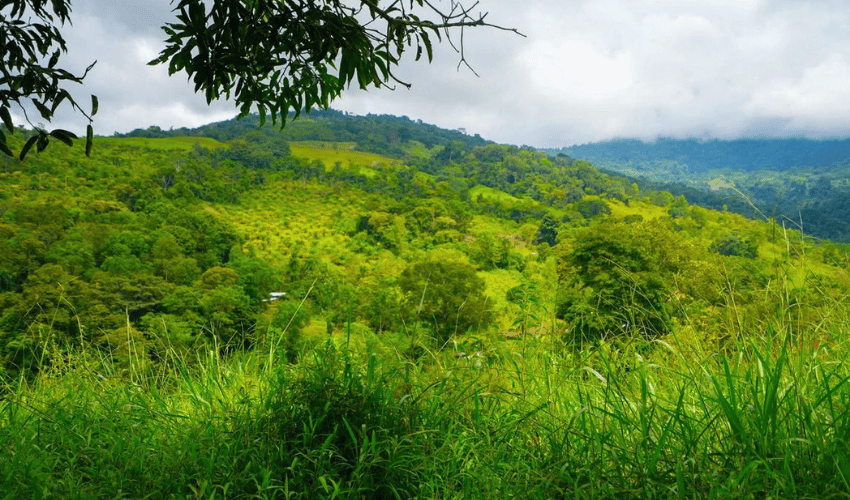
<point>802,183</point>
<point>374,307</point>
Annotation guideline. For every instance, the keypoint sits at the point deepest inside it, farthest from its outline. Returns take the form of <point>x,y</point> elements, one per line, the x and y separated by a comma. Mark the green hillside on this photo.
<point>798,181</point>
<point>242,312</point>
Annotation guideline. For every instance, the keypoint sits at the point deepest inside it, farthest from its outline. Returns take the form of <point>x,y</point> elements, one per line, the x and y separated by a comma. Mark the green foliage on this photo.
<point>679,208</point>
<point>548,232</point>
<point>257,278</point>
<point>735,244</point>
<point>135,306</point>
<point>527,299</point>
<point>184,245</point>
<point>382,309</point>
<point>271,55</point>
<point>338,133</point>
<point>606,424</point>
<point>279,56</point>
<point>496,253</point>
<point>592,208</point>
<point>446,296</point>
<point>24,46</point>
<point>75,252</point>
<point>615,278</point>
<point>760,183</point>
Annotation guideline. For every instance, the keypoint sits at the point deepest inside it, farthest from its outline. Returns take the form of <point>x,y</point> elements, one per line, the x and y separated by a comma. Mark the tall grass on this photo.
<point>770,421</point>
<point>766,416</point>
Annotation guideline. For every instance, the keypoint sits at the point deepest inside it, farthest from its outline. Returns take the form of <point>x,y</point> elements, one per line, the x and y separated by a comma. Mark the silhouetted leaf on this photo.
<point>42,109</point>
<point>64,136</point>
<point>26,149</point>
<point>53,59</point>
<point>89,139</point>
<point>43,141</point>
<point>3,147</point>
<point>7,119</point>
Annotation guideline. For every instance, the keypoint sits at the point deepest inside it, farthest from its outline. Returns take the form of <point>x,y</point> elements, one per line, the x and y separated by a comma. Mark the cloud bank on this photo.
<point>586,71</point>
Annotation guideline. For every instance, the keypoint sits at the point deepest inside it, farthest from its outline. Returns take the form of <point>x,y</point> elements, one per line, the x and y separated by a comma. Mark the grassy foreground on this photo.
<point>518,420</point>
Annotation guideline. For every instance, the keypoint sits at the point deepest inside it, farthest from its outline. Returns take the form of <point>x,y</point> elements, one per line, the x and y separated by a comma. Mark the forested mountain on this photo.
<point>184,238</point>
<point>696,156</point>
<point>803,183</point>
<point>274,299</point>
<point>381,134</point>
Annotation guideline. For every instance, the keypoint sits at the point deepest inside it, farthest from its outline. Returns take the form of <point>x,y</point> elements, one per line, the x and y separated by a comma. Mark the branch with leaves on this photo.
<point>31,45</point>
<point>283,55</point>
<point>274,56</point>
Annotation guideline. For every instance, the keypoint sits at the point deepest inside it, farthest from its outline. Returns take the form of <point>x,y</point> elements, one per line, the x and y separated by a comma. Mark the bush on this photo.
<point>591,208</point>
<point>615,277</point>
<point>733,244</point>
<point>449,296</point>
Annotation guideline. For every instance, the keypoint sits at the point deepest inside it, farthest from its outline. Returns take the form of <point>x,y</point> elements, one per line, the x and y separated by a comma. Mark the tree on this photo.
<point>591,208</point>
<point>275,55</point>
<point>447,295</point>
<point>735,244</point>
<point>548,231</point>
<point>616,279</point>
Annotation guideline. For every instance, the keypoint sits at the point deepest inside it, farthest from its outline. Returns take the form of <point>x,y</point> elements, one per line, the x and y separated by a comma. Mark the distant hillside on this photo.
<point>793,179</point>
<point>694,155</point>
<point>381,134</point>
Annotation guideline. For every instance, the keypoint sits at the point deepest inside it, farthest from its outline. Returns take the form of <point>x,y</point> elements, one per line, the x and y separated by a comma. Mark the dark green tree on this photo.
<point>591,208</point>
<point>448,296</point>
<point>75,252</point>
<point>548,231</point>
<point>615,282</point>
<point>735,244</point>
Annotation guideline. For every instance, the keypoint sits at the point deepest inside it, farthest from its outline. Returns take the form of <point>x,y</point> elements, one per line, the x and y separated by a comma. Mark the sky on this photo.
<point>585,71</point>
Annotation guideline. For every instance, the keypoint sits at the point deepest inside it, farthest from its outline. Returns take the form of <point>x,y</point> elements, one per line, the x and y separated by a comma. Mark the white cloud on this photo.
<point>819,99</point>
<point>572,69</point>
<point>589,70</point>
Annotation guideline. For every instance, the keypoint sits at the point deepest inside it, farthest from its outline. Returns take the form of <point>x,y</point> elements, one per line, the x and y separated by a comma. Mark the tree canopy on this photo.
<point>274,56</point>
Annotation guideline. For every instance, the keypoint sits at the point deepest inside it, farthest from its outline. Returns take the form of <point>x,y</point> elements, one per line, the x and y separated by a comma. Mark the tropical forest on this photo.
<point>374,307</point>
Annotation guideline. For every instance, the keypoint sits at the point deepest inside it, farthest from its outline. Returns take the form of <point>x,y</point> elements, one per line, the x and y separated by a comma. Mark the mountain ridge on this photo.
<point>785,178</point>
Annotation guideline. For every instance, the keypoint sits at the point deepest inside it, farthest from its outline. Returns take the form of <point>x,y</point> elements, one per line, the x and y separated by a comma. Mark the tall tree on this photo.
<point>272,55</point>
<point>446,295</point>
<point>616,278</point>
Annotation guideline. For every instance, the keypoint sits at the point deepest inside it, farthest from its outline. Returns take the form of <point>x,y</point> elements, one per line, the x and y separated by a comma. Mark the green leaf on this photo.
<point>42,109</point>
<point>7,119</point>
<point>43,141</point>
<point>89,139</point>
<point>64,136</point>
<point>28,146</point>
<point>427,42</point>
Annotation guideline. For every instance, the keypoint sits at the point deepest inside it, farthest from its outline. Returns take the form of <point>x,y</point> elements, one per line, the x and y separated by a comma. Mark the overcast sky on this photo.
<point>587,71</point>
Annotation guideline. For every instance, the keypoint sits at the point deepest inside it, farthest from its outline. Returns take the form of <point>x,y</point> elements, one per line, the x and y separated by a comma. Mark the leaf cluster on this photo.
<point>29,54</point>
<point>282,55</point>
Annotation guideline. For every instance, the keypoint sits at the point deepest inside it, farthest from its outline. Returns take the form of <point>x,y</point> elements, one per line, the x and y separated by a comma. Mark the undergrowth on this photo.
<point>769,421</point>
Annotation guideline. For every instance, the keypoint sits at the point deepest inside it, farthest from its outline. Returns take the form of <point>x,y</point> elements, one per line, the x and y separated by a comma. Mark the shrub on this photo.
<point>733,244</point>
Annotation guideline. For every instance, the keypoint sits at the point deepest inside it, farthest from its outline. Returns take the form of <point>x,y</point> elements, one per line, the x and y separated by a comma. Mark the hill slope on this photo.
<point>187,316</point>
<point>789,179</point>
